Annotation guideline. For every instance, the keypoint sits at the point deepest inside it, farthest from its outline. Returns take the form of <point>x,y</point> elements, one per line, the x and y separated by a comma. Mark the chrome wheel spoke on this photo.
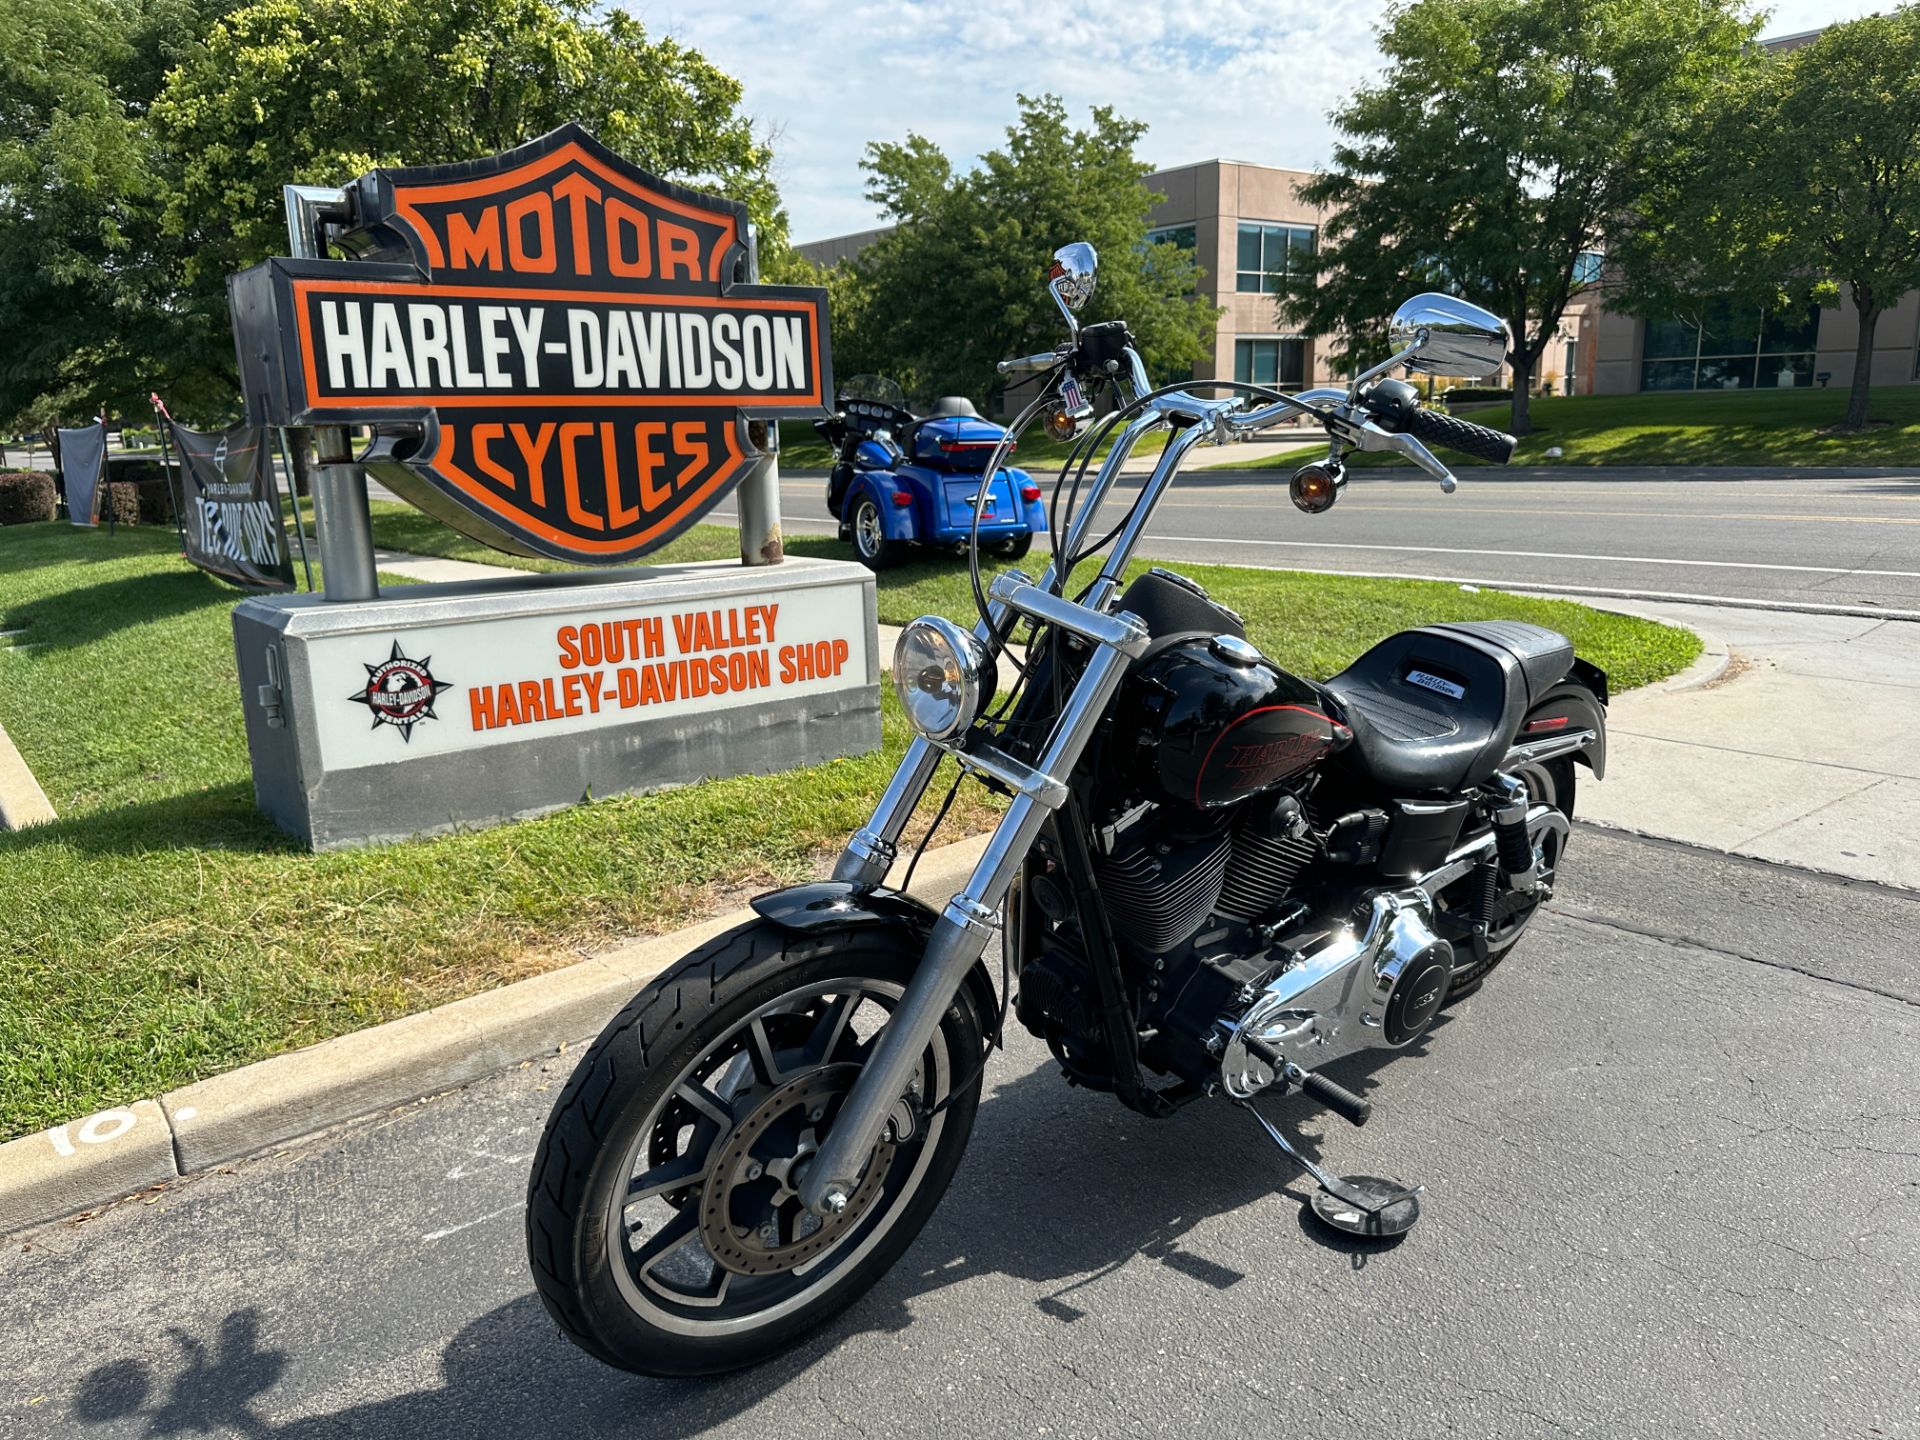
<point>831,1025</point>
<point>667,1240</point>
<point>693,1093</point>
<point>766,1066</point>
<point>675,1174</point>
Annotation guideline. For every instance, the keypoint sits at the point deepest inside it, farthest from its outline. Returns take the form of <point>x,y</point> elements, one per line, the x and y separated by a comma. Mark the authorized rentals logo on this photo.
<point>401,692</point>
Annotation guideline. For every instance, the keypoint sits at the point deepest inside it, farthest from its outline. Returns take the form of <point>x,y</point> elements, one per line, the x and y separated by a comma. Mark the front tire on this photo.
<point>662,1225</point>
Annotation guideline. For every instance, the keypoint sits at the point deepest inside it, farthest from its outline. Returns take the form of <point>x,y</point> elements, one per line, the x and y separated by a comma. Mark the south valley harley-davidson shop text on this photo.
<point>492,679</point>
<point>724,652</point>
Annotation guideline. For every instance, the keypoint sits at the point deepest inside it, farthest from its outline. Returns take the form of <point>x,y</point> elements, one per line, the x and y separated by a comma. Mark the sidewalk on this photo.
<point>1802,751</point>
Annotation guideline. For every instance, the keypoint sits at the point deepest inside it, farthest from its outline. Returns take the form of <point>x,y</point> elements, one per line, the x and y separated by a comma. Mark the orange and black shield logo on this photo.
<point>550,345</point>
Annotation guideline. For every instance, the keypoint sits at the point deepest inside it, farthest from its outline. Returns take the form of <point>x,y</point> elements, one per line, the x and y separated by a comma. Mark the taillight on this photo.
<point>1029,492</point>
<point>903,498</point>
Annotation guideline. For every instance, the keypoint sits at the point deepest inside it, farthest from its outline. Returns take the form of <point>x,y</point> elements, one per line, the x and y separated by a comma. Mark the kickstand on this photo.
<point>1363,1205</point>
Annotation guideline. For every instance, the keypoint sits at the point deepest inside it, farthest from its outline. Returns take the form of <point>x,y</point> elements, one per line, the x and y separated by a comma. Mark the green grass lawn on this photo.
<point>1723,427</point>
<point>162,931</point>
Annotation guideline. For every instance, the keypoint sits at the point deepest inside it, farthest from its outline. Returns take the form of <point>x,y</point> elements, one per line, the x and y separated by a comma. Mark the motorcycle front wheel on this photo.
<point>664,1227</point>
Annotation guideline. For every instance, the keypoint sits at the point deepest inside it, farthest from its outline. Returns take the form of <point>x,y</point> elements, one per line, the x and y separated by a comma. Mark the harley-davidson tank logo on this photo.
<point>401,692</point>
<point>550,344</point>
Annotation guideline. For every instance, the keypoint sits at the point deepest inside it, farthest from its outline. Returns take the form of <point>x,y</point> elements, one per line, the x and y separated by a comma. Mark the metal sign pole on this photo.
<point>758,498</point>
<point>338,487</point>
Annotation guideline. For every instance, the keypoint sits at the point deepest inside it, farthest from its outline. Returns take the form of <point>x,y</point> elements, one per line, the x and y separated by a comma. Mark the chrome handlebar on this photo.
<point>1042,361</point>
<point>1230,419</point>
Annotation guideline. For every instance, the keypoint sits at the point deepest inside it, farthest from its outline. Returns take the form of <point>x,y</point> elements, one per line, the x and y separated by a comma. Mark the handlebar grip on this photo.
<point>1432,428</point>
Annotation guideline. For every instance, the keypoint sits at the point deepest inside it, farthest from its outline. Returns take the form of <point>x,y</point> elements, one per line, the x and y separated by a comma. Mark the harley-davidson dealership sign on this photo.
<point>551,345</point>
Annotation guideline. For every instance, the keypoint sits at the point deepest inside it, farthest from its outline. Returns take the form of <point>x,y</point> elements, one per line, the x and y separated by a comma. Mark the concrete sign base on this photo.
<point>442,706</point>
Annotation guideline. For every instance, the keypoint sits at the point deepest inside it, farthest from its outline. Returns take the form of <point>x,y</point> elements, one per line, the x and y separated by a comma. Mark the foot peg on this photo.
<point>1337,1098</point>
<point>1362,1205</point>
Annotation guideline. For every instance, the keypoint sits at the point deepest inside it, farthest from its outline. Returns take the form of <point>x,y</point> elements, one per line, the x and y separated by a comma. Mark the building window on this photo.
<point>1727,349</point>
<point>1181,235</point>
<point>1280,363</point>
<point>1273,257</point>
<point>1587,266</point>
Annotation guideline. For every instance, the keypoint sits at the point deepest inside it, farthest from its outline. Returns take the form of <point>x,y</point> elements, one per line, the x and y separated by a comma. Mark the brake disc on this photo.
<point>751,1218</point>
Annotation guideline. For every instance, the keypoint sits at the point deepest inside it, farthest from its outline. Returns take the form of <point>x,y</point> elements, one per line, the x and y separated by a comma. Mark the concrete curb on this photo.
<point>22,801</point>
<point>1707,667</point>
<point>92,1162</point>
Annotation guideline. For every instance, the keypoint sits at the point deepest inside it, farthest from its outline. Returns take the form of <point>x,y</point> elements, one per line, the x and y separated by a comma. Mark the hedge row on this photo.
<point>25,496</point>
<point>28,495</point>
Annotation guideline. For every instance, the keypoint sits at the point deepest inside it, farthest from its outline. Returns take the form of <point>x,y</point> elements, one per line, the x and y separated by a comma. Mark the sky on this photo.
<point>1212,79</point>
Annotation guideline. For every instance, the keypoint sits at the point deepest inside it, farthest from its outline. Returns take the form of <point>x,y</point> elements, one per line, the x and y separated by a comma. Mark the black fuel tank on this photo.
<point>1208,722</point>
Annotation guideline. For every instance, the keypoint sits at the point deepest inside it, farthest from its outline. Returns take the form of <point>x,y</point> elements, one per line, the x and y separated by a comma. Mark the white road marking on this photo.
<point>1739,602</point>
<point>433,1235</point>
<point>1539,555</point>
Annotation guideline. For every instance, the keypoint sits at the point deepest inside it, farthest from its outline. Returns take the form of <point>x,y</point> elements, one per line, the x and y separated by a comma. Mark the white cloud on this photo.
<point>1242,79</point>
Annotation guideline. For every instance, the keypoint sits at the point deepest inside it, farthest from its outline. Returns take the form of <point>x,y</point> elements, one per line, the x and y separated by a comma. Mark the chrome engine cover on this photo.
<point>1380,986</point>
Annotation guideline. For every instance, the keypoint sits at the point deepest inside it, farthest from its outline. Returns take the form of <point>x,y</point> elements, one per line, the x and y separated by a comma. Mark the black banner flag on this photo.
<point>230,506</point>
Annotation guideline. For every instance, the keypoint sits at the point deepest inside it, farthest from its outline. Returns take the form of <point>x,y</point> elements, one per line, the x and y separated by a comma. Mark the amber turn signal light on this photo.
<point>1063,424</point>
<point>1315,487</point>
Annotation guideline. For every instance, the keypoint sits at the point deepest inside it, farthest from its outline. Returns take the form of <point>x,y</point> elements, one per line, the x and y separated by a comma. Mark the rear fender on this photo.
<point>828,907</point>
<point>1578,702</point>
<point>896,521</point>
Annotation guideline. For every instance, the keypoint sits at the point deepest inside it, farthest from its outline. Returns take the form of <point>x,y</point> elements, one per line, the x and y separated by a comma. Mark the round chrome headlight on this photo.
<point>943,676</point>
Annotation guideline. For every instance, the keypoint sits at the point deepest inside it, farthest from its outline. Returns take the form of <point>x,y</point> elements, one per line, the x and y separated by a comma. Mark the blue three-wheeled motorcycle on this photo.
<point>900,480</point>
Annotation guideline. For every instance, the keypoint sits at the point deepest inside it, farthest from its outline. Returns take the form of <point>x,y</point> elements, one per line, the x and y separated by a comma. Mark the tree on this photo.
<point>1503,140</point>
<point>85,300</point>
<point>146,142</point>
<point>1801,181</point>
<point>959,283</point>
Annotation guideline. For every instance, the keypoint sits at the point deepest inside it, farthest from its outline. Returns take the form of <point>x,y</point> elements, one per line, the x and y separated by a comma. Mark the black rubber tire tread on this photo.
<point>1431,428</point>
<point>659,1028</point>
<point>1564,785</point>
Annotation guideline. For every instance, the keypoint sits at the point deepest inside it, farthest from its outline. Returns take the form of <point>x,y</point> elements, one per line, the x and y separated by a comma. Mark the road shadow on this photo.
<point>1060,1189</point>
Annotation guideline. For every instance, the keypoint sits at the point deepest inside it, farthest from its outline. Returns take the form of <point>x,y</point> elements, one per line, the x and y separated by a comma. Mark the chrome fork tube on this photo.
<point>870,853</point>
<point>959,937</point>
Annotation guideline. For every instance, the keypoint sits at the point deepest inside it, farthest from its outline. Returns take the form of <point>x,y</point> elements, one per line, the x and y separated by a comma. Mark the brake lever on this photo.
<point>1368,435</point>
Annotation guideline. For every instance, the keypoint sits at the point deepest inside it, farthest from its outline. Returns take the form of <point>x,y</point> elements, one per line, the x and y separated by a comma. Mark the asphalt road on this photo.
<point>1673,1164</point>
<point>1851,544</point>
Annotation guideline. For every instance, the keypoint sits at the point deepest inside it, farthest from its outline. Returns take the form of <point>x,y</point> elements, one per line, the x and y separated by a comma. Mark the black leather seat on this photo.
<point>951,407</point>
<point>1435,709</point>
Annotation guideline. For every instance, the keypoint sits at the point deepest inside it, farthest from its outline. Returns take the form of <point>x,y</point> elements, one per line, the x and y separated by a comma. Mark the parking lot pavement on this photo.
<point>1673,1166</point>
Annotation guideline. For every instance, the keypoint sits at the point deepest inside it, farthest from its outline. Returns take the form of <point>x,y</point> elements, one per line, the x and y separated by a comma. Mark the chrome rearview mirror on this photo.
<point>1449,337</point>
<point>1071,279</point>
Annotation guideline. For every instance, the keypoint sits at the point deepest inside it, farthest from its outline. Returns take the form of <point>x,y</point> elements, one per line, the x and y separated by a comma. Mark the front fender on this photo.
<point>826,907</point>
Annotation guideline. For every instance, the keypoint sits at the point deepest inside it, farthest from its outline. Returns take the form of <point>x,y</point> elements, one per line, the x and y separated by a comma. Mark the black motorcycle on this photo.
<point>1212,878</point>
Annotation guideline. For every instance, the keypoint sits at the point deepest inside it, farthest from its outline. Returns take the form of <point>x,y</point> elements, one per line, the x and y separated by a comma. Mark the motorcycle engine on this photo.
<point>1193,899</point>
